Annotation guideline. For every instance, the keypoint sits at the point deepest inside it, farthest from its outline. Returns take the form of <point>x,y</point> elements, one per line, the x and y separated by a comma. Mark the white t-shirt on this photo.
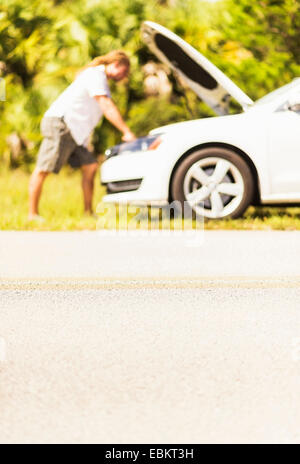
<point>78,106</point>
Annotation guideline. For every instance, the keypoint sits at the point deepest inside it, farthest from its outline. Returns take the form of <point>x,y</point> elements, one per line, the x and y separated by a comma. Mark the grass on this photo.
<point>61,206</point>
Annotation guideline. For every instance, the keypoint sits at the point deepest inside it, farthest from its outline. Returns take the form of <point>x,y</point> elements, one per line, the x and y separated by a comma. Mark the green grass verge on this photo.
<point>61,206</point>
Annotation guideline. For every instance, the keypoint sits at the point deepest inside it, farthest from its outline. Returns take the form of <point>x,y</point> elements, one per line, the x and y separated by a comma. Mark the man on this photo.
<point>71,119</point>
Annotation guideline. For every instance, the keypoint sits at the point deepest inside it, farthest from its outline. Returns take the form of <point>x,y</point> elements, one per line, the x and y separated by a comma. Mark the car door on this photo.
<point>284,150</point>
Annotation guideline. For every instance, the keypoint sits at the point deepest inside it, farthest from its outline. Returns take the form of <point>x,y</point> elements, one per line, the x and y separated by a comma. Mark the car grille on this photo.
<point>123,186</point>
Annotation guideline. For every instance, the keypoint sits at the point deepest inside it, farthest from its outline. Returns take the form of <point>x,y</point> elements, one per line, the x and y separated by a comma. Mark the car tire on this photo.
<point>200,177</point>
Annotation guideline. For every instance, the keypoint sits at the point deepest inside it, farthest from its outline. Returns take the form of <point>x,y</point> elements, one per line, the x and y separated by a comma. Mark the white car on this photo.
<point>219,165</point>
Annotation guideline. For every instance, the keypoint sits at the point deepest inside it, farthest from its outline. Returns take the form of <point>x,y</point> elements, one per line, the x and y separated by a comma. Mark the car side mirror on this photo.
<point>293,104</point>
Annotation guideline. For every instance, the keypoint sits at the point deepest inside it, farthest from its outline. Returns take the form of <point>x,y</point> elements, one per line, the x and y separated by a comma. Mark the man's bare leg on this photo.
<point>35,189</point>
<point>88,177</point>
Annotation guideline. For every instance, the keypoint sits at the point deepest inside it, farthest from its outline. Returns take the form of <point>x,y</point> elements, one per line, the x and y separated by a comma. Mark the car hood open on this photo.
<point>203,77</point>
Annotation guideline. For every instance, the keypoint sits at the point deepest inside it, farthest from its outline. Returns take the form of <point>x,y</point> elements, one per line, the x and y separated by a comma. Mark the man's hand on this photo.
<point>128,136</point>
<point>113,115</point>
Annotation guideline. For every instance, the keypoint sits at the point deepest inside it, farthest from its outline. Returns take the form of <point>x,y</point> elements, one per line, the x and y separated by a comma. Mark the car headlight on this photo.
<point>150,142</point>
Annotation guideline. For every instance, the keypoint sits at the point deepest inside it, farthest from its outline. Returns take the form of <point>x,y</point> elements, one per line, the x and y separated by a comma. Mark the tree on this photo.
<point>43,44</point>
<point>261,43</point>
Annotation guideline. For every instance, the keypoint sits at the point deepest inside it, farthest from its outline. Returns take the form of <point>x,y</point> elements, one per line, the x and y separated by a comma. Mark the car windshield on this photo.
<point>278,92</point>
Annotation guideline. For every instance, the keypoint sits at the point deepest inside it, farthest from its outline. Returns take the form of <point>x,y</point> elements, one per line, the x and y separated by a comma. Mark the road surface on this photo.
<point>107,339</point>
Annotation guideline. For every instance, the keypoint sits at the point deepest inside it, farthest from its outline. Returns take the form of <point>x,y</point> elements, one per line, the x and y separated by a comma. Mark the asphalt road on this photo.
<point>108,339</point>
<point>101,255</point>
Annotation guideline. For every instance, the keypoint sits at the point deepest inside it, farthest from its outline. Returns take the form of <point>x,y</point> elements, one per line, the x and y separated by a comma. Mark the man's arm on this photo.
<point>113,115</point>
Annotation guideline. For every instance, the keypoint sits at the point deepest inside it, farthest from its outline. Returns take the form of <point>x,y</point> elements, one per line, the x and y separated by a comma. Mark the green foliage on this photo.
<point>260,48</point>
<point>43,44</point>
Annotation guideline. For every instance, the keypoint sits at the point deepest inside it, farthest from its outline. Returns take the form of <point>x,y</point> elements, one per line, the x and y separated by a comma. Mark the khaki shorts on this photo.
<point>58,148</point>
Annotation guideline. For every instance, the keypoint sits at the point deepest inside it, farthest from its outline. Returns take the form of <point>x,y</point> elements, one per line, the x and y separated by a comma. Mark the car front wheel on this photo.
<point>214,182</point>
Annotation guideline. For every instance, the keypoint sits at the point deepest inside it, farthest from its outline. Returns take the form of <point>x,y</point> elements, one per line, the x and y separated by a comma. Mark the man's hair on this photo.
<point>115,56</point>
